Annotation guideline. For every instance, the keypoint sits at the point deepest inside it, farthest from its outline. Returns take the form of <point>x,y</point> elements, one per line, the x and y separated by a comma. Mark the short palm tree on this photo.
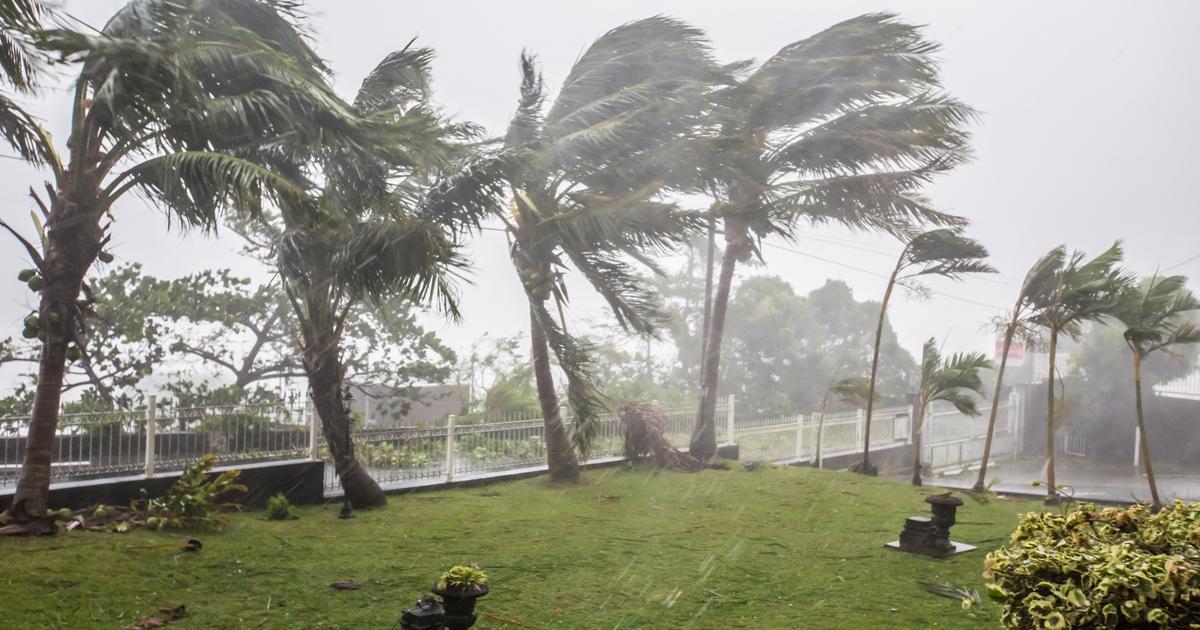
<point>853,391</point>
<point>1157,316</point>
<point>1081,291</point>
<point>944,252</point>
<point>584,178</point>
<point>846,127</point>
<point>955,380</point>
<point>1019,324</point>
<point>362,234</point>
<point>166,94</point>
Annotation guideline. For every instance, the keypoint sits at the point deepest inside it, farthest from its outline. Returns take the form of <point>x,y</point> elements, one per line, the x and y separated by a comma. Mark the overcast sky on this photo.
<point>1089,130</point>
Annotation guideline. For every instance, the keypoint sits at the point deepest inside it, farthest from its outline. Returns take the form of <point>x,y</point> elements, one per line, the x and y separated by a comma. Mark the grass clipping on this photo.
<point>642,427</point>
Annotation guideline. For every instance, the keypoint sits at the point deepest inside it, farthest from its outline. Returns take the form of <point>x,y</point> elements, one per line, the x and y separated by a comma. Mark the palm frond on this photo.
<point>20,60</point>
<point>26,135</point>
<point>401,79</point>
<point>944,252</point>
<point>576,359</point>
<point>636,306</point>
<point>1157,314</point>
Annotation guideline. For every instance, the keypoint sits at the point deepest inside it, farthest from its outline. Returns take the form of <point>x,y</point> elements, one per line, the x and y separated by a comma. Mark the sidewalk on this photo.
<point>1092,485</point>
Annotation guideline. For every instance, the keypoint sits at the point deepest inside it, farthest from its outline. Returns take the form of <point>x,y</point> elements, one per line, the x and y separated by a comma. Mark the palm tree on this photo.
<point>165,93</point>
<point>953,381</point>
<point>20,65</point>
<point>1081,291</point>
<point>845,126</point>
<point>585,178</point>
<point>945,252</point>
<point>1155,314</point>
<point>363,234</point>
<point>1019,324</point>
<point>854,390</point>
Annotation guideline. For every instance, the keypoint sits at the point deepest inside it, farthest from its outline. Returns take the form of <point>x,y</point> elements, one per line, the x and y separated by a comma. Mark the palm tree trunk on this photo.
<point>1141,420</point>
<point>991,429</point>
<point>1051,489</point>
<point>704,434</point>
<point>560,455</point>
<point>322,363</point>
<point>865,466</point>
<point>917,435</point>
<point>72,245</point>
<point>709,263</point>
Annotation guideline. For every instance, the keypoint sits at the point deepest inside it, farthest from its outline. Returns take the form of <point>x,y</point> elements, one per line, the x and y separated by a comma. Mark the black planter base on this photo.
<point>956,548</point>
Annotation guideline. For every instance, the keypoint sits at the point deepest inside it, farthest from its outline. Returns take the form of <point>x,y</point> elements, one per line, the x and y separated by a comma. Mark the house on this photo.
<point>382,406</point>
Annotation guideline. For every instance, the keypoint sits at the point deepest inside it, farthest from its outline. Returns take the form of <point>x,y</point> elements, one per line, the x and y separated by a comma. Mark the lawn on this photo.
<point>629,548</point>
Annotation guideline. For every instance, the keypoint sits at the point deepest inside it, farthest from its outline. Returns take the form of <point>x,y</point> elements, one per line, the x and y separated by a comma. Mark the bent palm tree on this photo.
<point>585,177</point>
<point>165,93</point>
<point>367,239</point>
<point>1081,291</point>
<point>1019,324</point>
<point>945,252</point>
<point>953,381</point>
<point>1156,317</point>
<point>845,126</point>
<point>854,390</point>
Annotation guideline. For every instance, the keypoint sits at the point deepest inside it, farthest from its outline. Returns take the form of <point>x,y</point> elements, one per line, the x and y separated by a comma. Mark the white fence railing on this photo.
<point>954,441</point>
<point>795,438</point>
<point>457,451</point>
<point>158,439</point>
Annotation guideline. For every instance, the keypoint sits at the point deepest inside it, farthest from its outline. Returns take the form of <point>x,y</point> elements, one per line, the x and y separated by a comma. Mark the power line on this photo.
<point>1176,265</point>
<point>879,275</point>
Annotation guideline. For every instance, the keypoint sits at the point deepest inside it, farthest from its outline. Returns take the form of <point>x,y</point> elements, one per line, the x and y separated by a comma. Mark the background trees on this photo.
<point>945,252</point>
<point>815,134</point>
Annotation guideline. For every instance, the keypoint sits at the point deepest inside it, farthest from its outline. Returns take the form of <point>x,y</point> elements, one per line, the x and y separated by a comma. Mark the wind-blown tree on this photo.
<point>1157,314</point>
<point>843,127</point>
<point>585,177</point>
<point>1081,291</point>
<point>165,93</point>
<point>1019,324</point>
<point>946,253</point>
<point>853,391</point>
<point>953,380</point>
<point>370,239</point>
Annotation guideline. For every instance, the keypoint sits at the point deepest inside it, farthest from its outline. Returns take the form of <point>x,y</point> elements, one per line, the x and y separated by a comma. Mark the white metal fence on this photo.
<point>120,443</point>
<point>457,451</point>
<point>954,441</point>
<point>795,438</point>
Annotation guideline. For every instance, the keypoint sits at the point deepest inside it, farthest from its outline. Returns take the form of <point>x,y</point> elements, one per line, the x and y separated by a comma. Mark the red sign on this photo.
<point>1016,350</point>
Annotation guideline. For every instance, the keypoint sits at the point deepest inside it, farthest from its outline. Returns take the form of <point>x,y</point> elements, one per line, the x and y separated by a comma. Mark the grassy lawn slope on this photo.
<point>630,548</point>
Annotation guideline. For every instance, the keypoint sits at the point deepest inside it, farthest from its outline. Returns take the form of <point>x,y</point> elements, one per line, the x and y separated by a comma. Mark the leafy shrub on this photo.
<point>462,576</point>
<point>279,508</point>
<point>192,500</point>
<point>1100,568</point>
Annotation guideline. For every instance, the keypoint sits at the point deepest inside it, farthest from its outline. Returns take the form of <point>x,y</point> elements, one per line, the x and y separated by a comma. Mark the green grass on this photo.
<point>780,548</point>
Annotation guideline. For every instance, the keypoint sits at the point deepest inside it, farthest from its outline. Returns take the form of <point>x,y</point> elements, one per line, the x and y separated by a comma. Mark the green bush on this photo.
<point>1100,568</point>
<point>279,508</point>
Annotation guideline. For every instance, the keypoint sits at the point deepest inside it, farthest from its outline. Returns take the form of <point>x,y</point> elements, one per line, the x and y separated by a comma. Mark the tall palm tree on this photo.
<point>369,237</point>
<point>1081,291</point>
<point>1156,314</point>
<point>1019,324</point>
<point>854,390</point>
<point>584,178</point>
<point>845,126</point>
<point>165,94</point>
<point>945,252</point>
<point>954,381</point>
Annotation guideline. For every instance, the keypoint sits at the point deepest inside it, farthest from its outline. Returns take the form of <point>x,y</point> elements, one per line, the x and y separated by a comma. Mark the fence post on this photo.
<point>450,447</point>
<point>314,431</point>
<point>1137,448</point>
<point>799,436</point>
<point>730,416</point>
<point>151,421</point>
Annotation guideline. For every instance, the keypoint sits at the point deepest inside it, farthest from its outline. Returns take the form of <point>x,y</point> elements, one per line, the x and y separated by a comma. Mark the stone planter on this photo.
<point>459,604</point>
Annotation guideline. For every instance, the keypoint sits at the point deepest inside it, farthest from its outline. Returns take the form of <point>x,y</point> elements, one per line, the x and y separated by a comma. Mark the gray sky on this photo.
<point>1088,134</point>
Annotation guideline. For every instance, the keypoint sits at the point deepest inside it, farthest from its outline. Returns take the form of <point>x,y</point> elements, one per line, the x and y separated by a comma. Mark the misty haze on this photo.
<point>624,315</point>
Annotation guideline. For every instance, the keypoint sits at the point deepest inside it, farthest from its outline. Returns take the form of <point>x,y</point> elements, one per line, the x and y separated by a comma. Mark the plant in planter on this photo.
<point>459,587</point>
